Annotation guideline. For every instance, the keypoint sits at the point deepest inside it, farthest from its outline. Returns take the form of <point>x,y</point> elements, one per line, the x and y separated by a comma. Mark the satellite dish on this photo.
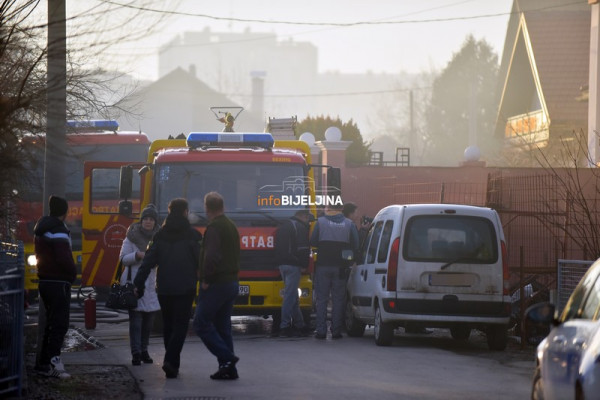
<point>333,134</point>
<point>308,138</point>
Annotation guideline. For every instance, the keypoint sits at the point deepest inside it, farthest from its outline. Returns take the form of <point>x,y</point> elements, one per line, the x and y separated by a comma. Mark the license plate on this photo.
<point>443,279</point>
<point>244,290</point>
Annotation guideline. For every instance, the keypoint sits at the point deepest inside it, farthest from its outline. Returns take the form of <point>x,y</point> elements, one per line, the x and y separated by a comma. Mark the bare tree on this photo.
<point>578,192</point>
<point>91,32</point>
<point>22,97</point>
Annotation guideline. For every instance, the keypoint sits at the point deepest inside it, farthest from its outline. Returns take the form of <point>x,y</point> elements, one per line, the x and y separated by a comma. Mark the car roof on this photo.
<point>434,208</point>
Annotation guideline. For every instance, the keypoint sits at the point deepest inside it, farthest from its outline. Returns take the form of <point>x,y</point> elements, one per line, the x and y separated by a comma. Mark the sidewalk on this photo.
<point>108,362</point>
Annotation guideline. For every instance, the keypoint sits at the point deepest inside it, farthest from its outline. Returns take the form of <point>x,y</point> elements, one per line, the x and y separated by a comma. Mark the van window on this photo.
<point>362,253</point>
<point>450,237</point>
<point>374,242</point>
<point>384,244</point>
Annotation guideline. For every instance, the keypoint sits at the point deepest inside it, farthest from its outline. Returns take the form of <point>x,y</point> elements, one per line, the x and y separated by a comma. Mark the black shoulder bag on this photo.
<point>122,297</point>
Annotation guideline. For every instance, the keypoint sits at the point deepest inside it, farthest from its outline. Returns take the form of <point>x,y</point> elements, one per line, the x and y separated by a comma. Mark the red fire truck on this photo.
<point>85,140</point>
<point>262,181</point>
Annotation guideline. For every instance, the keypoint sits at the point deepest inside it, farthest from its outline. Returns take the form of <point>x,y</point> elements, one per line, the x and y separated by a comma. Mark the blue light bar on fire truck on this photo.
<point>94,124</point>
<point>202,139</point>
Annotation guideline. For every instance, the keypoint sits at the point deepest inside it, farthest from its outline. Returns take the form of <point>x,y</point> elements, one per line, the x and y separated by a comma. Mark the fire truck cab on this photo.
<point>263,182</point>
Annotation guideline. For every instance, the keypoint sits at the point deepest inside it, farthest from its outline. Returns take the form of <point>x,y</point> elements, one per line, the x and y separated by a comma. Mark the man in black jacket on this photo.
<point>292,251</point>
<point>56,273</point>
<point>175,249</point>
<point>220,265</point>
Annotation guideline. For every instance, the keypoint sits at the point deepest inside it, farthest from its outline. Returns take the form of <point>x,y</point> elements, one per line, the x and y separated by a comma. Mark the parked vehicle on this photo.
<point>259,179</point>
<point>567,360</point>
<point>431,265</point>
<point>86,140</point>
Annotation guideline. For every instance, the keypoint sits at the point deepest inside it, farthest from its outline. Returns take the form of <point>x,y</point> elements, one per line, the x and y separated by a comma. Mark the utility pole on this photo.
<point>411,134</point>
<point>594,80</point>
<point>56,119</point>
<point>472,114</point>
<point>56,95</point>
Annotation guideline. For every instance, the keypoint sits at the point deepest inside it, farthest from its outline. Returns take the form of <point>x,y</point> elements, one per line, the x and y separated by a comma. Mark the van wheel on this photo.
<point>460,333</point>
<point>497,337</point>
<point>384,333</point>
<point>354,327</point>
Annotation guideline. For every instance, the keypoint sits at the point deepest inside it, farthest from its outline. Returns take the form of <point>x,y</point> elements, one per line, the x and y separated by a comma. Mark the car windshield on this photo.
<point>450,238</point>
<point>245,187</point>
<point>588,291</point>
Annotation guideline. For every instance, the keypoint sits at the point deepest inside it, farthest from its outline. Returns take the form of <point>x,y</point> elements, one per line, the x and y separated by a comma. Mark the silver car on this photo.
<point>568,359</point>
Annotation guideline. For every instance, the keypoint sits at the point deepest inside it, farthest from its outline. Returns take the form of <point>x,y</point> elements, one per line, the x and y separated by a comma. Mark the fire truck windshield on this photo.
<point>252,191</point>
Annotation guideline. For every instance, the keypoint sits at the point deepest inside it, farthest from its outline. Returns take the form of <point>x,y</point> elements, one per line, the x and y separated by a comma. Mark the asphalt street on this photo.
<point>416,366</point>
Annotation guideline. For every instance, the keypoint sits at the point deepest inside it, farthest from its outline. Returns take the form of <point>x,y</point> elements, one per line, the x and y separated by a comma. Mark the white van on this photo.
<point>431,265</point>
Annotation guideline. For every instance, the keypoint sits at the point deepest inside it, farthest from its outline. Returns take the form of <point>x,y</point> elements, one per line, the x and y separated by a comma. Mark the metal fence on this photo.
<point>12,311</point>
<point>570,273</point>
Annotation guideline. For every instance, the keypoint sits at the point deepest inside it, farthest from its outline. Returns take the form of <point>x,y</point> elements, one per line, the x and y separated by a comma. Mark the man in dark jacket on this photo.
<point>292,251</point>
<point>56,273</point>
<point>175,250</point>
<point>333,233</point>
<point>220,264</point>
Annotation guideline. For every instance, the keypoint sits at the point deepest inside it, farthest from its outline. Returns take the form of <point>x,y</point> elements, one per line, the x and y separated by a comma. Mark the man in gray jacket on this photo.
<point>333,233</point>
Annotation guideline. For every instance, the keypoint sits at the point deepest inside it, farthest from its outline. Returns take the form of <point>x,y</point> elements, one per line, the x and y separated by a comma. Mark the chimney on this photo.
<point>257,104</point>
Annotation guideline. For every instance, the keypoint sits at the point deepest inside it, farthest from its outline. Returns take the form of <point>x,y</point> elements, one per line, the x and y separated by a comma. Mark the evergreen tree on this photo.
<point>473,70</point>
<point>358,151</point>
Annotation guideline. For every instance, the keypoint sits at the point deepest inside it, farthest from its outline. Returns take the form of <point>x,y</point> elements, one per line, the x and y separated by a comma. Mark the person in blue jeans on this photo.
<point>219,286</point>
<point>292,252</point>
<point>333,233</point>
<point>132,253</point>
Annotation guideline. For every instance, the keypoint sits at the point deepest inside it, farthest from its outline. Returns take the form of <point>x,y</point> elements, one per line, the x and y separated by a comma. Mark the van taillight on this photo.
<point>392,272</point>
<point>505,274</point>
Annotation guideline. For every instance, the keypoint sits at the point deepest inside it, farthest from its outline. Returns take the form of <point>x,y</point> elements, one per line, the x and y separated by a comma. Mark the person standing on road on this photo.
<point>363,225</point>
<point>292,251</point>
<point>56,273</point>
<point>141,318</point>
<point>219,286</point>
<point>333,233</point>
<point>175,250</point>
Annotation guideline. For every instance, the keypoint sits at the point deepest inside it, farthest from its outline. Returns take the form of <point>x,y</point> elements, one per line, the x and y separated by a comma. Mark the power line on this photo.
<point>333,94</point>
<point>335,24</point>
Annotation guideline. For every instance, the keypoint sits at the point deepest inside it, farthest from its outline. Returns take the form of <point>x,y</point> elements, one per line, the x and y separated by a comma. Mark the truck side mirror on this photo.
<point>334,181</point>
<point>125,183</point>
<point>125,208</point>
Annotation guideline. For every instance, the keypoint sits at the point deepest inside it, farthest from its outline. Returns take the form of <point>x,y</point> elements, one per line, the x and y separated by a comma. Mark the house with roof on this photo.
<point>543,75</point>
<point>178,103</point>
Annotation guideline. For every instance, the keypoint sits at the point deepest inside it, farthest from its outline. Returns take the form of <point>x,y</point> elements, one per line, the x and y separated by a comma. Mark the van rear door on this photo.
<point>452,252</point>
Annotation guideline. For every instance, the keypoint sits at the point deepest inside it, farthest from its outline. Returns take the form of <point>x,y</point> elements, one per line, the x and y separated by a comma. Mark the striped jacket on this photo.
<point>53,250</point>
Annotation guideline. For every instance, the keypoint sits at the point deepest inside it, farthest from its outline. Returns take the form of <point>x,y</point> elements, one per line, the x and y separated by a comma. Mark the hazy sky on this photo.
<point>430,32</point>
